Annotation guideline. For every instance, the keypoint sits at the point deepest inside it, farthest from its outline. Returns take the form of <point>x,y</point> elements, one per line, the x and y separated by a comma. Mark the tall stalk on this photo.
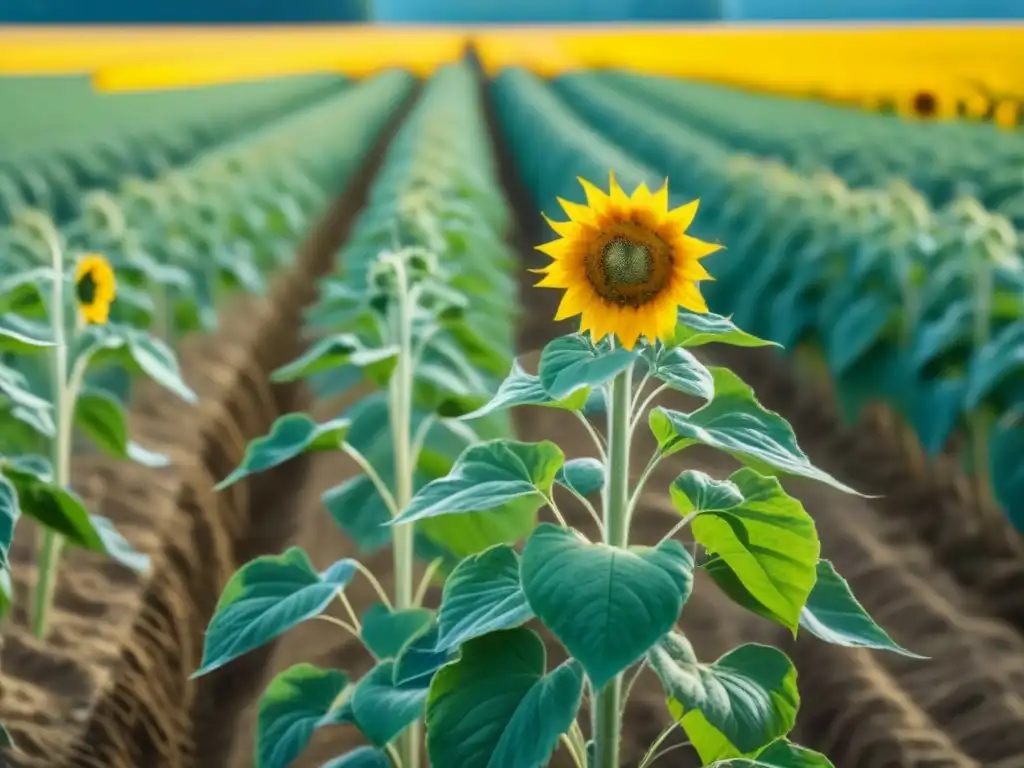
<point>400,406</point>
<point>607,704</point>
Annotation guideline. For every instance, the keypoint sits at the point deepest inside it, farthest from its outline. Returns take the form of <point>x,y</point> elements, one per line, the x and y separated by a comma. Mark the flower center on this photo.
<point>626,262</point>
<point>85,290</point>
<point>925,104</point>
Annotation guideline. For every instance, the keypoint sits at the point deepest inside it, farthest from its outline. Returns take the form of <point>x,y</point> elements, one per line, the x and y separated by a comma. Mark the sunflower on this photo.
<point>95,288</point>
<point>626,263</point>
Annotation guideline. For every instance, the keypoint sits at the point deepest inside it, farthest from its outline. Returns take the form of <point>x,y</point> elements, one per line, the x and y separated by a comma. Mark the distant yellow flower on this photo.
<point>1007,113</point>
<point>626,263</point>
<point>95,288</point>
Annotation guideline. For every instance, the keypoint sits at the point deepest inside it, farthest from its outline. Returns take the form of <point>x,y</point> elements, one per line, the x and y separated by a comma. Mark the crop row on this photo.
<point>65,139</point>
<point>920,307</point>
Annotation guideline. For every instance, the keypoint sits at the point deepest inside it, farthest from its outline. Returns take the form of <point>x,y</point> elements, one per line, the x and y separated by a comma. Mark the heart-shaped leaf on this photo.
<point>488,476</point>
<point>384,631</point>
<point>571,364</point>
<point>290,436</point>
<point>382,709</point>
<point>582,476</point>
<point>735,422</point>
<point>833,614</point>
<point>608,606</point>
<point>735,706</point>
<point>264,599</point>
<point>496,708</point>
<point>482,595</point>
<point>682,371</point>
<point>290,710</point>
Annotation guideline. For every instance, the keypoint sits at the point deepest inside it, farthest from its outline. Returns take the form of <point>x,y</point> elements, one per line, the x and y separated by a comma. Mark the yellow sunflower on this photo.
<point>626,263</point>
<point>95,288</point>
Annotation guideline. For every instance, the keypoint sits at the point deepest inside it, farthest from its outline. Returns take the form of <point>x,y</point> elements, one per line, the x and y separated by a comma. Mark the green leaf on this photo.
<point>833,614</point>
<point>339,351</point>
<point>290,710</point>
<point>696,330</point>
<point>384,632</point>
<point>9,514</point>
<point>101,416</point>
<point>382,709</point>
<point>570,364</point>
<point>488,476</point>
<point>117,547</point>
<point>421,657</point>
<point>694,490</point>
<point>522,388</point>
<point>359,510</point>
<point>496,708</point>
<point>682,371</point>
<point>735,706</point>
<point>290,436</point>
<point>264,599</point>
<point>994,363</point>
<point>607,606</point>
<point>22,336</point>
<point>767,539</point>
<point>582,476</point>
<point>781,753</point>
<point>15,385</point>
<point>135,350</point>
<point>364,757</point>
<point>56,508</point>
<point>482,595</point>
<point>735,422</point>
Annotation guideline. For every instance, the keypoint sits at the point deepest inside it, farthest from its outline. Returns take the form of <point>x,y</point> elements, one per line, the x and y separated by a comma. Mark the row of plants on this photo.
<point>471,670</point>
<point>920,307</point>
<point>48,161</point>
<point>85,308</point>
<point>417,324</point>
<point>943,160</point>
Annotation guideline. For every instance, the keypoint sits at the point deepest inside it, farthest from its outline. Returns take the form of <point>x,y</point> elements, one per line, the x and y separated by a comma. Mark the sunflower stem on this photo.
<point>400,396</point>
<point>52,543</point>
<point>607,708</point>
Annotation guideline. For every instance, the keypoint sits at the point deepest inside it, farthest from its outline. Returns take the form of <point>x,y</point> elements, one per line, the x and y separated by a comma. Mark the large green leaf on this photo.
<point>994,363</point>
<point>571,364</point>
<point>833,614</point>
<point>482,595</point>
<point>781,753</point>
<point>383,708</point>
<point>733,707</point>
<point>102,417</point>
<point>680,370</point>
<point>582,476</point>
<point>21,335</point>
<point>735,422</point>
<point>766,538</point>
<point>339,351</point>
<point>290,710</point>
<point>264,599</point>
<point>496,708</point>
<point>608,606</point>
<point>697,329</point>
<point>136,351</point>
<point>290,436</point>
<point>488,476</point>
<point>385,631</point>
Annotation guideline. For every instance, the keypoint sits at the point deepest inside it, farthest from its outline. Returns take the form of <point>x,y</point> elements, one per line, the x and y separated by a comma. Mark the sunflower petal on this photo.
<point>577,213</point>
<point>659,200</point>
<point>562,228</point>
<point>684,215</point>
<point>597,200</point>
<point>616,193</point>
<point>573,303</point>
<point>698,249</point>
<point>641,197</point>
<point>691,299</point>
<point>556,249</point>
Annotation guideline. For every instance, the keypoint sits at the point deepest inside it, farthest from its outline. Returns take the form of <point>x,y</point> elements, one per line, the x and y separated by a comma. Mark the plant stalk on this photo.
<point>403,535</point>
<point>63,414</point>
<point>607,711</point>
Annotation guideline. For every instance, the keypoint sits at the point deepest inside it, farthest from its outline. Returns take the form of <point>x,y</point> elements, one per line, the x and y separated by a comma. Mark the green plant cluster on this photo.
<point>177,244</point>
<point>898,301</point>
<point>944,160</point>
<point>417,325</point>
<point>64,139</point>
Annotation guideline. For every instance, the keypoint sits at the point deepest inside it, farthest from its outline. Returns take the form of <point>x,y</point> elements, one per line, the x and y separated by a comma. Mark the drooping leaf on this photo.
<point>486,477</point>
<point>833,614</point>
<point>482,595</point>
<point>735,422</point>
<point>608,606</point>
<point>290,436</point>
<point>522,388</point>
<point>340,351</point>
<point>264,599</point>
<point>697,329</point>
<point>102,417</point>
<point>290,710</point>
<point>583,476</point>
<point>734,706</point>
<point>496,708</point>
<point>136,351</point>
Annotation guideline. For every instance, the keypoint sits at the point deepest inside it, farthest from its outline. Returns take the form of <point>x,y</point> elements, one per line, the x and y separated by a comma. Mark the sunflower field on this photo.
<point>507,399</point>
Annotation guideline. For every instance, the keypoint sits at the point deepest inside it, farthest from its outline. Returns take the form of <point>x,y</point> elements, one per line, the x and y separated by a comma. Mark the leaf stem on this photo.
<point>590,509</point>
<point>606,710</point>
<point>599,442</point>
<point>374,583</point>
<point>638,413</point>
<point>338,623</point>
<point>677,527</point>
<point>400,406</point>
<point>64,397</point>
<point>367,467</point>
<point>550,499</point>
<point>428,575</point>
